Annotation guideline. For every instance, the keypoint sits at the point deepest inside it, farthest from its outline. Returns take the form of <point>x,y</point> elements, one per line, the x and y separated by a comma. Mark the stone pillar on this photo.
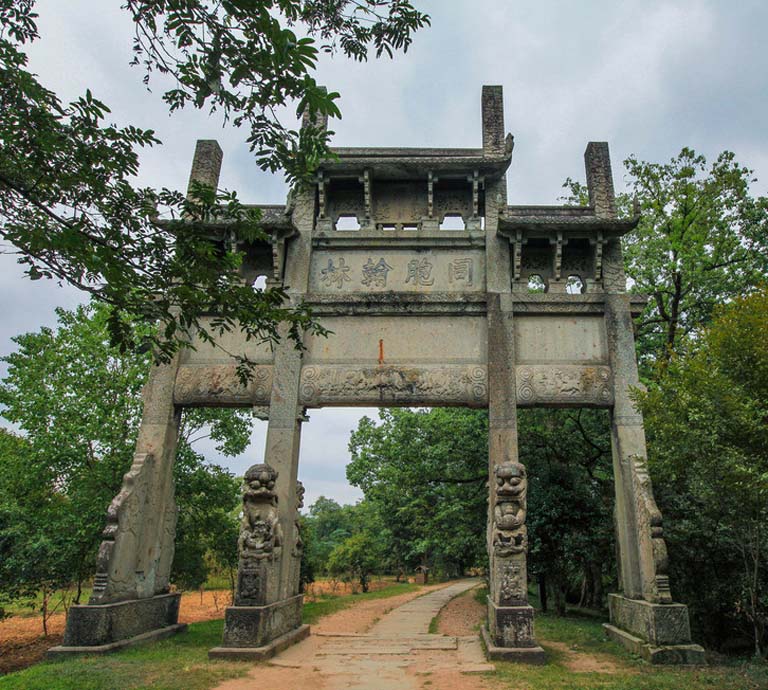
<point>597,161</point>
<point>258,631</point>
<point>266,615</point>
<point>643,617</point>
<point>510,616</point>
<point>206,163</point>
<point>493,120</point>
<point>131,595</point>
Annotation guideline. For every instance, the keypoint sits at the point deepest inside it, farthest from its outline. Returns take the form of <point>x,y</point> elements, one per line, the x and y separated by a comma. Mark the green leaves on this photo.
<point>67,197</point>
<point>702,240</point>
<point>707,420</point>
<point>78,402</point>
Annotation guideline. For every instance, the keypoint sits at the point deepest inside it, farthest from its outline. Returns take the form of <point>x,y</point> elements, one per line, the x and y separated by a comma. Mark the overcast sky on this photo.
<point>647,76</point>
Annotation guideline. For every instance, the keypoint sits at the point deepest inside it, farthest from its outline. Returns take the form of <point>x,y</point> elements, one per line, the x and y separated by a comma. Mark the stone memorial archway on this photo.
<point>420,315</point>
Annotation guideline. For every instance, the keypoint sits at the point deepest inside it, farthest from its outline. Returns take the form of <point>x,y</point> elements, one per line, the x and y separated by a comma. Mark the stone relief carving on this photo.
<point>298,541</point>
<point>335,276</point>
<point>564,384</point>
<point>460,270</point>
<point>649,517</point>
<point>512,582</point>
<point>510,535</point>
<point>124,508</point>
<point>339,383</point>
<point>260,541</point>
<point>220,383</point>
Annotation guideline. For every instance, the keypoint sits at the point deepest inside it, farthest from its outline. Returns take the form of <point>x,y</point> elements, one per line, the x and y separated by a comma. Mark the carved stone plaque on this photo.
<point>352,270</point>
<point>220,384</point>
<point>564,385</point>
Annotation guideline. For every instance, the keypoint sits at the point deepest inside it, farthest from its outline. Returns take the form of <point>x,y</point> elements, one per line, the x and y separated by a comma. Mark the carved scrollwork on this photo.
<point>219,383</point>
<point>564,384</point>
<point>449,384</point>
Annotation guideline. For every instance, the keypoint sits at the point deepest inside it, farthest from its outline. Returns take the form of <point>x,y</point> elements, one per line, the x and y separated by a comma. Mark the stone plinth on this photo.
<point>97,629</point>
<point>510,634</point>
<point>256,627</point>
<point>660,633</point>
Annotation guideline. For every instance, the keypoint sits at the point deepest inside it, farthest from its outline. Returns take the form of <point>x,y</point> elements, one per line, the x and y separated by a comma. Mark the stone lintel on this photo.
<point>258,626</point>
<point>679,654</point>
<point>403,383</point>
<point>520,655</point>
<point>120,624</point>
<point>261,653</point>
<point>367,240</point>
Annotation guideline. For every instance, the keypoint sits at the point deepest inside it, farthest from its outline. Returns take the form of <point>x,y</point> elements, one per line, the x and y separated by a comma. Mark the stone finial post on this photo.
<point>206,164</point>
<point>318,120</point>
<point>493,121</point>
<point>597,161</point>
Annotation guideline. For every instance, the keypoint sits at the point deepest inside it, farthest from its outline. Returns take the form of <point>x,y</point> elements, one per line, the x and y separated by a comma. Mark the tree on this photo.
<point>68,203</point>
<point>78,402</point>
<point>570,498</point>
<point>702,240</point>
<point>356,558</point>
<point>425,471</point>
<point>707,422</point>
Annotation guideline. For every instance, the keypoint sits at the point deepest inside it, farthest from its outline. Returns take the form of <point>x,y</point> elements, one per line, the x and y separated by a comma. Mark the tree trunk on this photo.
<point>44,610</point>
<point>542,578</point>
<point>597,586</point>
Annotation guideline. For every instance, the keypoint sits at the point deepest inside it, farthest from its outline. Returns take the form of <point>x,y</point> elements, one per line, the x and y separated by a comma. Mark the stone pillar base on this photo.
<point>523,655</point>
<point>254,627</point>
<point>261,653</point>
<point>102,628</point>
<point>510,634</point>
<point>660,633</point>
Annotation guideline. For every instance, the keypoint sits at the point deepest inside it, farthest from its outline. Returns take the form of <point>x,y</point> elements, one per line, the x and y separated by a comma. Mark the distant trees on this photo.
<point>707,422</point>
<point>425,473</point>
<point>77,403</point>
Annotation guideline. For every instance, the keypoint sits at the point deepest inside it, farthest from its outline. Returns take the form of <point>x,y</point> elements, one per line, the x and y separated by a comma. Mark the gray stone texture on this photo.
<point>659,624</point>
<point>419,314</point>
<point>206,163</point>
<point>91,626</point>
<point>256,626</point>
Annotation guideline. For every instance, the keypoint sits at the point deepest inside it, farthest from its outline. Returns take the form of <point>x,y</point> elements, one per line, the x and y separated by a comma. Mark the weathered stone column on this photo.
<point>257,631</point>
<point>131,596</point>
<point>510,616</point>
<point>266,615</point>
<point>643,617</point>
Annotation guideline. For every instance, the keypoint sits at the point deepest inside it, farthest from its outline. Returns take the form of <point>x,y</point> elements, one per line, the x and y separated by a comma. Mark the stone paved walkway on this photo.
<point>390,656</point>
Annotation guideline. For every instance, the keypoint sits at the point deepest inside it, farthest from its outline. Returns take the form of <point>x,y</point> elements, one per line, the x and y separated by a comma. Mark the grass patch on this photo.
<point>178,663</point>
<point>328,603</point>
<point>583,634</point>
<point>433,625</point>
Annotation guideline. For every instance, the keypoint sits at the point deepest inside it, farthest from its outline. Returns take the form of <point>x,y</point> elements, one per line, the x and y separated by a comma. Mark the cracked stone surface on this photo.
<point>396,653</point>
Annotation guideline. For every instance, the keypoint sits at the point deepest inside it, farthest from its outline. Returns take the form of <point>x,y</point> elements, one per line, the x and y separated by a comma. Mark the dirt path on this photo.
<point>378,645</point>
